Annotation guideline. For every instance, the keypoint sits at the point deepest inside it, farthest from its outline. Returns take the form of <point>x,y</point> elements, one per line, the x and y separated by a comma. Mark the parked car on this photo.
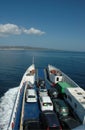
<point>49,120</point>
<point>69,123</point>
<point>45,103</point>
<point>32,124</point>
<point>60,107</point>
<point>41,83</point>
<point>53,93</point>
<point>42,92</point>
<point>31,95</point>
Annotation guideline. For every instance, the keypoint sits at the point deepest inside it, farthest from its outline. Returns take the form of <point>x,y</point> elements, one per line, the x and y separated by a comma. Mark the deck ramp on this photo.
<point>41,73</point>
<point>31,111</point>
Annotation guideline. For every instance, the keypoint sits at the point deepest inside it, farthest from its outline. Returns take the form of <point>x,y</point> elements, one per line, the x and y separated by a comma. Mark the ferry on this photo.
<point>34,107</point>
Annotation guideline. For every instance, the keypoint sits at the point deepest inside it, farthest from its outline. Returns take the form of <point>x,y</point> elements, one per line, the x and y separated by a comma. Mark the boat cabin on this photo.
<point>55,76</point>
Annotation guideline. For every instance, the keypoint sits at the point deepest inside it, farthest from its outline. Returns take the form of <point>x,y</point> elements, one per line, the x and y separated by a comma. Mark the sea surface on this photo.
<point>13,64</point>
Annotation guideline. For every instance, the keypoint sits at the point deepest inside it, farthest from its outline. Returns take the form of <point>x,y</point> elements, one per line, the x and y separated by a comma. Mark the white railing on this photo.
<point>22,111</point>
<point>69,80</point>
<point>13,115</point>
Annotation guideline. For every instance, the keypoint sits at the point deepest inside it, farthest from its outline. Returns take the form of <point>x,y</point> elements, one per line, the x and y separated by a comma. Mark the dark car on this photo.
<point>49,121</point>
<point>32,124</point>
<point>53,93</point>
<point>41,83</point>
<point>60,107</point>
<point>69,123</point>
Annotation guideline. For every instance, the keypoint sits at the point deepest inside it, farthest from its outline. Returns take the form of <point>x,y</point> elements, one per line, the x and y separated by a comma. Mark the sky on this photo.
<point>54,24</point>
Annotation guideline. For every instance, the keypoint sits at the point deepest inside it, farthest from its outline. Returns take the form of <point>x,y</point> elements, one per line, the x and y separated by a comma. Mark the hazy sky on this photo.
<point>58,24</point>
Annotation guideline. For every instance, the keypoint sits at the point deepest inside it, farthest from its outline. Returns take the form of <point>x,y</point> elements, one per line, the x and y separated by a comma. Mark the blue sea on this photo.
<point>13,64</point>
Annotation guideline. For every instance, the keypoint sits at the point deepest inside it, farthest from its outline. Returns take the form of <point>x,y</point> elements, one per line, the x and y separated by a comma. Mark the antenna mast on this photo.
<point>33,60</point>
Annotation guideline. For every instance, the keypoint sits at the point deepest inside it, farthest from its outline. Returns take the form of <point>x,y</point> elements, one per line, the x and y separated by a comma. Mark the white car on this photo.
<point>31,95</point>
<point>45,103</point>
<point>43,92</point>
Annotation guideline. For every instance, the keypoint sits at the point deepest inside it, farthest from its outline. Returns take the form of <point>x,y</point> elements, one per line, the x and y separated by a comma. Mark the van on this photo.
<point>42,92</point>
<point>45,103</point>
<point>32,124</point>
<point>60,107</point>
<point>70,123</point>
<point>53,93</point>
<point>49,120</point>
<point>31,95</point>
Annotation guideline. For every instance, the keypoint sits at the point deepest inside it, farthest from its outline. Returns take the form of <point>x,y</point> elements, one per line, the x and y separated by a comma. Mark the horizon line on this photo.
<point>25,47</point>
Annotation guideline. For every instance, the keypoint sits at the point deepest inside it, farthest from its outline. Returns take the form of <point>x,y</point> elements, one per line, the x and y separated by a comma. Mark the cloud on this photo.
<point>8,29</point>
<point>12,29</point>
<point>33,31</point>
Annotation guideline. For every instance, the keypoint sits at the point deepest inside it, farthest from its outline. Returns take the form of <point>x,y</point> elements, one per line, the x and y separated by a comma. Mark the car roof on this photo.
<point>46,99</point>
<point>44,90</point>
<point>60,102</point>
<point>52,89</point>
<point>71,123</point>
<point>51,119</point>
<point>80,127</point>
<point>32,124</point>
<point>31,91</point>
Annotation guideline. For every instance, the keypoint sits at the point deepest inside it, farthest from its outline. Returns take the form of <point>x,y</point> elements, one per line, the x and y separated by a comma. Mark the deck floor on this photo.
<point>31,110</point>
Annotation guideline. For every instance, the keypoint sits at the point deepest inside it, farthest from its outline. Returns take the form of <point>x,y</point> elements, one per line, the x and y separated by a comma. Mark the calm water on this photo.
<point>14,63</point>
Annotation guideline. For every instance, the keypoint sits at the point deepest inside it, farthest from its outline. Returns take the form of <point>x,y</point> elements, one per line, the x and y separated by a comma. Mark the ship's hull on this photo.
<point>23,111</point>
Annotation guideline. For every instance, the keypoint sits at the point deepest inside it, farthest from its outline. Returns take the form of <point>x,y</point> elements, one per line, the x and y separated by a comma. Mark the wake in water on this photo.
<point>6,106</point>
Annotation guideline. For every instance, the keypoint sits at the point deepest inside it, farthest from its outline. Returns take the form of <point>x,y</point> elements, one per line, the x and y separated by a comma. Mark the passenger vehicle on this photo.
<point>53,93</point>
<point>45,103</point>
<point>49,121</point>
<point>31,95</point>
<point>69,123</point>
<point>32,124</point>
<point>42,92</point>
<point>60,107</point>
<point>41,83</point>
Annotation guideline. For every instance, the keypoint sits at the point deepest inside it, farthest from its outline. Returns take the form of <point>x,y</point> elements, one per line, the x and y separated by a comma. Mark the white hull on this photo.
<point>76,94</point>
<point>29,75</point>
<point>55,76</point>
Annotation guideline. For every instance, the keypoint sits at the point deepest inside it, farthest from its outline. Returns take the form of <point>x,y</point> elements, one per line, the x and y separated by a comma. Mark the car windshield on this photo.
<point>31,96</point>
<point>43,90</point>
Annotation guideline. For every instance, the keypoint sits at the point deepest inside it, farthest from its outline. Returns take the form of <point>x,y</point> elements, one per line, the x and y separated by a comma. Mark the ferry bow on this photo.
<point>42,90</point>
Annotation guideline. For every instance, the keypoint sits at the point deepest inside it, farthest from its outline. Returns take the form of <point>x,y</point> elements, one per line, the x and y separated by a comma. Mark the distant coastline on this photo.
<point>20,48</point>
<point>26,48</point>
<point>34,48</point>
